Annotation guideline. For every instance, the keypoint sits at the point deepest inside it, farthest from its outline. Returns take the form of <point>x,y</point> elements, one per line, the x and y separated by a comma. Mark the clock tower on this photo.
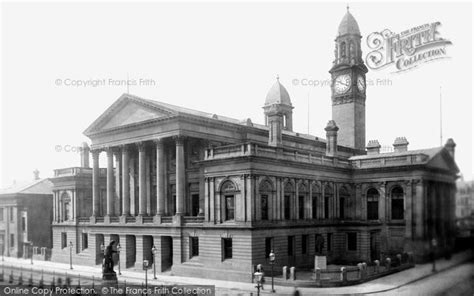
<point>349,85</point>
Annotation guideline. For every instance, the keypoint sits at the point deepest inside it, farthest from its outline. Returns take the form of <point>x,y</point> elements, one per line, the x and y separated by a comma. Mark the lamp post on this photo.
<point>31,250</point>
<point>145,267</point>
<point>70,254</point>
<point>118,254</point>
<point>258,277</point>
<point>154,250</point>
<point>271,257</point>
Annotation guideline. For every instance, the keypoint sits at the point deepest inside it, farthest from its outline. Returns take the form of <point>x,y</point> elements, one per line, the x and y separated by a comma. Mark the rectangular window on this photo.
<point>23,224</point>
<point>341,208</point>
<point>194,244</point>
<point>352,241</point>
<point>304,244</point>
<point>372,210</point>
<point>1,214</point>
<point>329,244</point>
<point>268,246</point>
<point>63,240</point>
<point>264,206</point>
<point>195,204</point>
<point>315,206</point>
<point>85,241</point>
<point>287,207</point>
<point>326,207</point>
<point>229,207</point>
<point>301,207</point>
<point>291,245</point>
<point>12,240</point>
<point>397,208</point>
<point>227,248</point>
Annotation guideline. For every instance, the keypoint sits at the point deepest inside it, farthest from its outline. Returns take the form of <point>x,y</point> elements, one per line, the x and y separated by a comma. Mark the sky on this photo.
<point>64,63</point>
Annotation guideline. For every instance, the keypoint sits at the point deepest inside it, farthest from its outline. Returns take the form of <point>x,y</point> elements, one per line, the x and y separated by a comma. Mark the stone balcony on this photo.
<point>77,171</point>
<point>145,220</point>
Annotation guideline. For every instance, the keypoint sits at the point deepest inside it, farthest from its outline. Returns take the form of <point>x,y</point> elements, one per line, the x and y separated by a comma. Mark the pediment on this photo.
<point>128,111</point>
<point>443,161</point>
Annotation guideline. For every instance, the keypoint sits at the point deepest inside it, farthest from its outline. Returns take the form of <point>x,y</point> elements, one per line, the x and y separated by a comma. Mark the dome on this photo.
<point>278,95</point>
<point>348,25</point>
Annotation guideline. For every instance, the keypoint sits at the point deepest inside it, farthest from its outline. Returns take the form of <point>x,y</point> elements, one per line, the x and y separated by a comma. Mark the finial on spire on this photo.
<point>347,6</point>
<point>278,77</point>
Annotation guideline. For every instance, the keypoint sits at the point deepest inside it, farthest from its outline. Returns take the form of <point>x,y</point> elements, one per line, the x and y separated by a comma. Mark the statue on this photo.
<point>108,272</point>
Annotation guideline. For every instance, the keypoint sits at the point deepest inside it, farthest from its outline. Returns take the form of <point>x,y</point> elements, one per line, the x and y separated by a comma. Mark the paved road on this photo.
<point>456,281</point>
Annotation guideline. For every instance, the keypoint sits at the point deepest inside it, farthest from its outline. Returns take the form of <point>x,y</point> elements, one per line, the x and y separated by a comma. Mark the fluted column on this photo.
<point>180,178</point>
<point>125,181</point>
<point>95,183</point>
<point>110,182</point>
<point>160,177</point>
<point>141,179</point>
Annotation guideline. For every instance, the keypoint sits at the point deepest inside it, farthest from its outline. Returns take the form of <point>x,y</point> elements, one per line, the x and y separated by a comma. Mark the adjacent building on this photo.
<point>25,218</point>
<point>214,195</point>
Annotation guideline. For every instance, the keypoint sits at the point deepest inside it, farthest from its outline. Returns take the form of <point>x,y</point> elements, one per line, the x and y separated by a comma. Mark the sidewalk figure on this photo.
<point>260,269</point>
<point>108,272</point>
<point>296,292</point>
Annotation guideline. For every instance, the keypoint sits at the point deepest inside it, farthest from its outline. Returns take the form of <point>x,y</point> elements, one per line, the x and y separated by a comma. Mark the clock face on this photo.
<point>342,83</point>
<point>360,83</point>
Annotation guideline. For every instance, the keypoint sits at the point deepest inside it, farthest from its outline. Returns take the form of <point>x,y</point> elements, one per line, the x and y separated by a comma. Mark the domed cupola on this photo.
<point>278,112</point>
<point>348,25</point>
<point>348,50</point>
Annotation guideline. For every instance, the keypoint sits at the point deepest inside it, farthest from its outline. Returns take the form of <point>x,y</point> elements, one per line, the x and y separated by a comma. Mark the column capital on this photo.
<point>159,142</point>
<point>141,146</point>
<point>179,139</point>
<point>96,153</point>
<point>109,150</point>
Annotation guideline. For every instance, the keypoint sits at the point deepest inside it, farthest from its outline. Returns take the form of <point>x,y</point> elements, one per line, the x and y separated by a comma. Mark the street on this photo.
<point>455,281</point>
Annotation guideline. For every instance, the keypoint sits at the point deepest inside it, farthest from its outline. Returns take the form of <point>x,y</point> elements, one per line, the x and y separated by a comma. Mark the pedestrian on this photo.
<point>296,292</point>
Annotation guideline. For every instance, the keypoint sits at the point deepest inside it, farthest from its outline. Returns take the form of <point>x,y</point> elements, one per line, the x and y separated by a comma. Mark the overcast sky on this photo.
<point>220,58</point>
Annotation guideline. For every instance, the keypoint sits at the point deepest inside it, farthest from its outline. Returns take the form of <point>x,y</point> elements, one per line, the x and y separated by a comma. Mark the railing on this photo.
<point>148,219</point>
<point>193,219</point>
<point>167,220</point>
<point>389,160</point>
<point>252,149</point>
<point>74,171</point>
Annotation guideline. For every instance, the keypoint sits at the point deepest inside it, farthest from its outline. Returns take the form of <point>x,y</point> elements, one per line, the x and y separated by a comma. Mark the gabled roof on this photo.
<point>41,186</point>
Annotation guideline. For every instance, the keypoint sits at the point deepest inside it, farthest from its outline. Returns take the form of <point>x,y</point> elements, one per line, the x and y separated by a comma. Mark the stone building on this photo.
<point>25,218</point>
<point>214,194</point>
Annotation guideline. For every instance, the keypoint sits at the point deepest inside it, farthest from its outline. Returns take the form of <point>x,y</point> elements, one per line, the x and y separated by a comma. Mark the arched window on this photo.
<point>372,204</point>
<point>328,195</point>
<point>343,50</point>
<point>265,190</point>
<point>343,200</point>
<point>66,200</point>
<point>301,200</point>
<point>288,192</point>
<point>397,202</point>
<point>315,195</point>
<point>228,192</point>
<point>351,50</point>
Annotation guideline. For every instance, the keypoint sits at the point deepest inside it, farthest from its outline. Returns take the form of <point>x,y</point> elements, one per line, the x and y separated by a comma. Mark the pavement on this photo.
<point>383,284</point>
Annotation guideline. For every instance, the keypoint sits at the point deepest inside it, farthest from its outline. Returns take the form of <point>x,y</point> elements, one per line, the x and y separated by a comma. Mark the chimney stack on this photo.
<point>85,155</point>
<point>36,175</point>
<point>450,145</point>
<point>331,138</point>
<point>400,144</point>
<point>373,147</point>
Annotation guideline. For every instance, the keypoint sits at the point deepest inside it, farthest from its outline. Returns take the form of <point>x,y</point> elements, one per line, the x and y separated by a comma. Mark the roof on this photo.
<point>348,25</point>
<point>278,95</point>
<point>40,186</point>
